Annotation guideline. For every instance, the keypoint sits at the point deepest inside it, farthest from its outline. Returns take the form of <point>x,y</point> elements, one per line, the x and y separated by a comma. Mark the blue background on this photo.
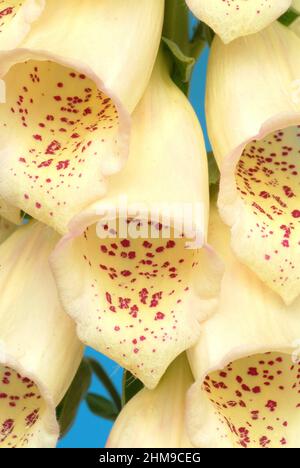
<point>90,431</point>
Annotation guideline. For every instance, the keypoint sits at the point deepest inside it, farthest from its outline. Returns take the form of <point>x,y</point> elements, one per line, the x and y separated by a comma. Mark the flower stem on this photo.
<point>176,23</point>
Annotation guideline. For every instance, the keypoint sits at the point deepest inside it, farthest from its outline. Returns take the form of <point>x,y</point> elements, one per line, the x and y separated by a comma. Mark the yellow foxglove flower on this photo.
<point>16,17</point>
<point>134,294</point>
<point>156,418</point>
<point>254,129</point>
<point>69,90</point>
<point>246,363</point>
<point>231,19</point>
<point>39,349</point>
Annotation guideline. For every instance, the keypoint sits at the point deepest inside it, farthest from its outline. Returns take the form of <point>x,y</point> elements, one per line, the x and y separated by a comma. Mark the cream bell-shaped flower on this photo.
<point>16,17</point>
<point>254,128</point>
<point>156,418</point>
<point>231,19</point>
<point>125,271</point>
<point>39,349</point>
<point>67,92</point>
<point>246,363</point>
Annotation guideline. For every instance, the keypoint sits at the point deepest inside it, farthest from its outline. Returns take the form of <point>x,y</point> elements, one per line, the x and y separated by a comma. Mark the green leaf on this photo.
<point>106,382</point>
<point>184,58</point>
<point>289,17</point>
<point>213,170</point>
<point>182,65</point>
<point>102,407</point>
<point>130,386</point>
<point>67,410</point>
<point>183,52</point>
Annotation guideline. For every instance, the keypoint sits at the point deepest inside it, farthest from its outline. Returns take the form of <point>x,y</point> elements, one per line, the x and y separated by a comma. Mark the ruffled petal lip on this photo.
<point>241,401</point>
<point>36,425</point>
<point>232,208</point>
<point>140,315</point>
<point>58,212</point>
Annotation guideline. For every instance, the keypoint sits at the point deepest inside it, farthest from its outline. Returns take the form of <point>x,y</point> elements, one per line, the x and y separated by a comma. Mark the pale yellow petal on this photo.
<point>254,129</point>
<point>65,120</point>
<point>156,418</point>
<point>136,296</point>
<point>246,363</point>
<point>39,350</point>
<point>6,229</point>
<point>16,17</point>
<point>231,19</point>
<point>9,212</point>
<point>295,26</point>
<point>296,5</point>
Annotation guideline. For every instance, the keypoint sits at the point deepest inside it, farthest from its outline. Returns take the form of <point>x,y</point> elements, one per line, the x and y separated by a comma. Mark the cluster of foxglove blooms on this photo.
<point>90,116</point>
